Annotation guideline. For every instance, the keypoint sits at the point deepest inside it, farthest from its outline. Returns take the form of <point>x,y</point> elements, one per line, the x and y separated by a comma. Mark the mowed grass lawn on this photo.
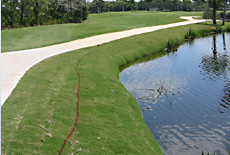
<point>33,37</point>
<point>41,111</point>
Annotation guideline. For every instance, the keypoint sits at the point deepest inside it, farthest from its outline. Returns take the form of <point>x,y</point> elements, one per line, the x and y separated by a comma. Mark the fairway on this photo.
<point>34,37</point>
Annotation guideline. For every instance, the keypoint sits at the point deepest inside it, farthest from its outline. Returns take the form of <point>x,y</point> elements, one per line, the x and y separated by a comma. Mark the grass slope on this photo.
<point>33,37</point>
<point>44,101</point>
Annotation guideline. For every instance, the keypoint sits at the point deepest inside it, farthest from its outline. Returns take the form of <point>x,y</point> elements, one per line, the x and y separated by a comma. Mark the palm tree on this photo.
<point>99,4</point>
<point>225,3</point>
<point>123,5</point>
<point>149,3</point>
<point>132,5</point>
<point>23,6</point>
<point>214,11</point>
<point>36,11</point>
<point>228,4</point>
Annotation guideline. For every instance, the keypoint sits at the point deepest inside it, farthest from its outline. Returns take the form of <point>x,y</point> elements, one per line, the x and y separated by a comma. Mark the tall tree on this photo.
<point>149,3</point>
<point>13,11</point>
<point>23,6</point>
<point>123,5</point>
<point>176,5</point>
<point>36,11</point>
<point>198,3</point>
<point>225,3</point>
<point>132,2</point>
<point>214,11</point>
<point>99,4</point>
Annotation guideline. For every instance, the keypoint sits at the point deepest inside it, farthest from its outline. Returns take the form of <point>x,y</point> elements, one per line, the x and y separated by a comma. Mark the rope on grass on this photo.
<point>78,100</point>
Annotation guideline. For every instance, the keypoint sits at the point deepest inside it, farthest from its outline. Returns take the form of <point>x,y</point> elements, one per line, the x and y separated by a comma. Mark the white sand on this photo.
<point>15,64</point>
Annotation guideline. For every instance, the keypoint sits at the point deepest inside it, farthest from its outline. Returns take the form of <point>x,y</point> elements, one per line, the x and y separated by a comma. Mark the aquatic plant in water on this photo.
<point>160,88</point>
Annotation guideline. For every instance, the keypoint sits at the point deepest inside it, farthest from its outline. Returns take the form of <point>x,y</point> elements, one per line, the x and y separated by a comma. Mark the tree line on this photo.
<point>98,6</point>
<point>22,13</point>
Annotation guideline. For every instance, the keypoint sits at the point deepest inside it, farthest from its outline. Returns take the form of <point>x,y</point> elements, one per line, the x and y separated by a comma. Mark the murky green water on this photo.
<point>185,96</point>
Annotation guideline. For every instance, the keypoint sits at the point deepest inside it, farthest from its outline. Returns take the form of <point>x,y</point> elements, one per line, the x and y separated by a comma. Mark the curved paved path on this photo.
<point>15,64</point>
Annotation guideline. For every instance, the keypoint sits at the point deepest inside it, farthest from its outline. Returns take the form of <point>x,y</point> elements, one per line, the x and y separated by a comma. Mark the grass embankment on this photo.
<point>41,111</point>
<point>33,37</point>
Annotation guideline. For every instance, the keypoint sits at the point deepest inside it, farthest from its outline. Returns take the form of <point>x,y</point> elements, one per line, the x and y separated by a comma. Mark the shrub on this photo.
<point>172,45</point>
<point>191,34</point>
<point>218,29</point>
<point>228,29</point>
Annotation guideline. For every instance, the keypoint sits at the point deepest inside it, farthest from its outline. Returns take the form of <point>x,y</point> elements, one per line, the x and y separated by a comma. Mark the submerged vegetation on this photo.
<point>207,153</point>
<point>162,88</point>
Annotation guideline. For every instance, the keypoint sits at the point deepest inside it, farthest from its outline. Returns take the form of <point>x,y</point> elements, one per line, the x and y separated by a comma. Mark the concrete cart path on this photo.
<point>15,64</point>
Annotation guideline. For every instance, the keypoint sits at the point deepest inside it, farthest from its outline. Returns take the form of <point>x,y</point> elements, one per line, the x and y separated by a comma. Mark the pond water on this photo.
<point>184,96</point>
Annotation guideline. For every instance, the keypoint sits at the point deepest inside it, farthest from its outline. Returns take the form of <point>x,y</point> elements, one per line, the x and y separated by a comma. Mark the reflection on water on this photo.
<point>185,96</point>
<point>226,98</point>
<point>216,63</point>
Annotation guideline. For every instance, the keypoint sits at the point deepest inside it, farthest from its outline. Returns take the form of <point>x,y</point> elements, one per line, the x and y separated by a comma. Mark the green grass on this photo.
<point>33,37</point>
<point>44,101</point>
